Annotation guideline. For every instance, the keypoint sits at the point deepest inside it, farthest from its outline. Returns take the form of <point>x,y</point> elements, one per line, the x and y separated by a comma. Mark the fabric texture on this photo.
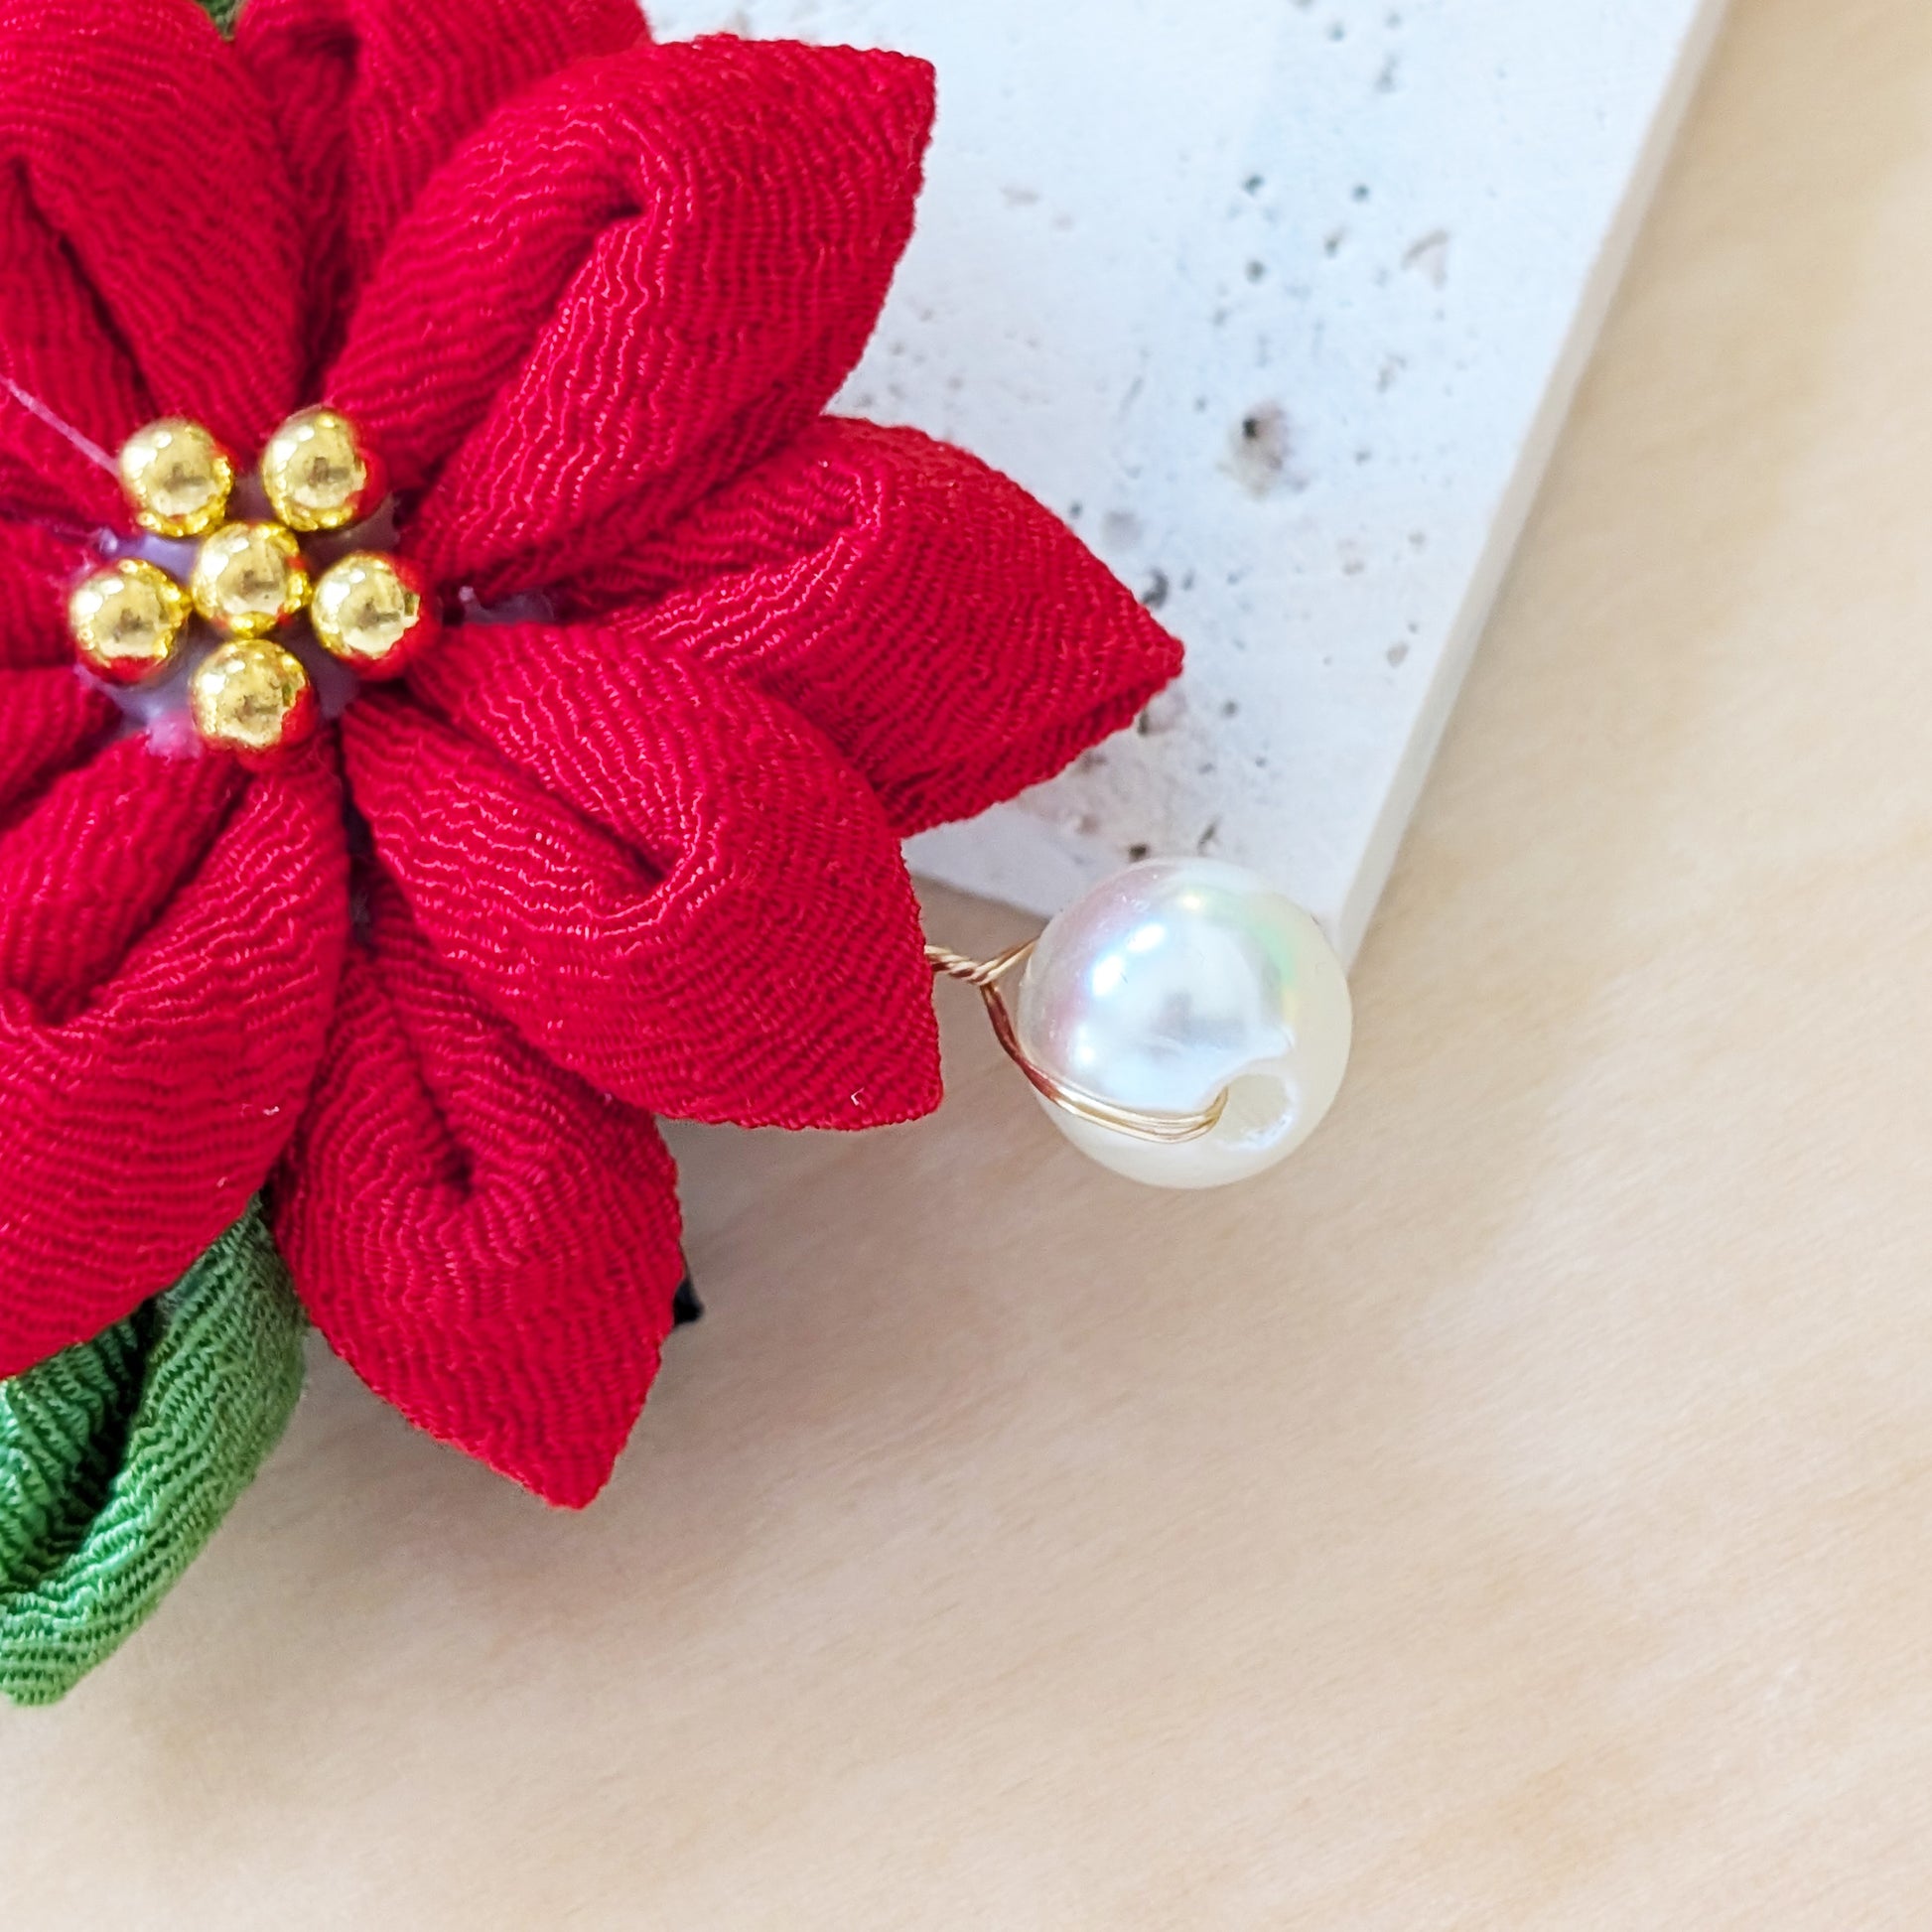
<point>118,1458</point>
<point>425,985</point>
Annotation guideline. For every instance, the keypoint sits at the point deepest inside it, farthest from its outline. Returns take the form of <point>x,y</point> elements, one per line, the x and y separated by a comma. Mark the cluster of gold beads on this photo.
<point>250,580</point>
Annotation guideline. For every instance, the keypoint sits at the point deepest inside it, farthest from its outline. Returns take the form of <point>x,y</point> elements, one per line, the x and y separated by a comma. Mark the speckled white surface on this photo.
<point>1280,302</point>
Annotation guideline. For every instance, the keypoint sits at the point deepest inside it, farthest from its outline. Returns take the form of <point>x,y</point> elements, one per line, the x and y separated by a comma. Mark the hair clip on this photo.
<point>432,677</point>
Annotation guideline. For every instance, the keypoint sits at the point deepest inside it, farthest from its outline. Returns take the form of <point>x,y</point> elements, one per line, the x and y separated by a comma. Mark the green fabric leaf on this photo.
<point>119,1458</point>
<point>222,12</point>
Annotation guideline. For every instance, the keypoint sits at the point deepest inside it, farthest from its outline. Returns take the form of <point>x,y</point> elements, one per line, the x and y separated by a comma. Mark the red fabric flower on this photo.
<point>430,978</point>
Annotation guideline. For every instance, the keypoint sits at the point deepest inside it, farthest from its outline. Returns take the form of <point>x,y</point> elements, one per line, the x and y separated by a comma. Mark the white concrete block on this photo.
<point>1281,303</point>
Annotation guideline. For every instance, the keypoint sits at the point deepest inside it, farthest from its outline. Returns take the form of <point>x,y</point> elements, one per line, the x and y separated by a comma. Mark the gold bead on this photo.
<point>372,612</point>
<point>317,474</point>
<point>249,578</point>
<point>127,619</point>
<point>177,476</point>
<point>253,698</point>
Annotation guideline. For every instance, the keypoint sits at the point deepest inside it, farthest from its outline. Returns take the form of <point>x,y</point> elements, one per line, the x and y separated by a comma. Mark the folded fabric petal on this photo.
<point>120,1456</point>
<point>670,882</point>
<point>168,953</point>
<point>953,637</point>
<point>586,296</point>
<point>88,870</point>
<point>145,150</point>
<point>36,573</point>
<point>630,284</point>
<point>492,1246</point>
<point>60,372</point>
<point>50,722</point>
<point>370,98</point>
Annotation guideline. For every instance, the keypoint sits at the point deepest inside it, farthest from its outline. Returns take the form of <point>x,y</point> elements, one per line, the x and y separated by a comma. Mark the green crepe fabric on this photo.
<point>119,1458</point>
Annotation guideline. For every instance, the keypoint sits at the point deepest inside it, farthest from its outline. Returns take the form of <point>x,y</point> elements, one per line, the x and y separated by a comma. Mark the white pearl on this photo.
<point>1171,983</point>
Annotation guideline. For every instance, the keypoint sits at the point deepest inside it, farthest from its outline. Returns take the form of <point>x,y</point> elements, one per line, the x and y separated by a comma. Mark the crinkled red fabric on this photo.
<point>370,98</point>
<point>588,295</point>
<point>49,721</point>
<point>36,572</point>
<point>953,640</point>
<point>171,935</point>
<point>489,1243</point>
<point>57,346</point>
<point>152,245</point>
<point>601,839</point>
<point>641,277</point>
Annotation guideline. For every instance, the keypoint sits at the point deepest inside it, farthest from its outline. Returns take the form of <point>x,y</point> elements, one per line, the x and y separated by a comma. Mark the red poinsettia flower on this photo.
<point>428,979</point>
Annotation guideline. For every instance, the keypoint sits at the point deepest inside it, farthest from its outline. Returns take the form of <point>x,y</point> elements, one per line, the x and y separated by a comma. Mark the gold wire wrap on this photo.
<point>1168,1130</point>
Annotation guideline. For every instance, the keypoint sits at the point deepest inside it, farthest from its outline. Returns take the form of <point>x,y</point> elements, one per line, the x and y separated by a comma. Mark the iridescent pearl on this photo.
<point>249,578</point>
<point>126,620</point>
<point>177,476</point>
<point>253,698</point>
<point>372,612</point>
<point>1172,983</point>
<point>318,474</point>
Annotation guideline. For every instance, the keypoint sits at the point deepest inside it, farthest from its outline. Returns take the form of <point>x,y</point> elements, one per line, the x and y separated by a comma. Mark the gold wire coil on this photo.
<point>1166,1130</point>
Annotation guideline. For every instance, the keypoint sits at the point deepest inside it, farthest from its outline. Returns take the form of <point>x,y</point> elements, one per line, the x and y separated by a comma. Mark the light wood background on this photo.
<point>1517,1513</point>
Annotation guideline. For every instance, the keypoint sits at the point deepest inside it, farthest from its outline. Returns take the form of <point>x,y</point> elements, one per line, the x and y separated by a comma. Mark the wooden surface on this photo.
<point>1516,1514</point>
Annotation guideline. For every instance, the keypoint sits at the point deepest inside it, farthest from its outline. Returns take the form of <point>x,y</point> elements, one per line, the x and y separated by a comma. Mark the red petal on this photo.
<point>135,137</point>
<point>165,978</point>
<point>36,573</point>
<point>490,1245</point>
<point>95,863</point>
<point>671,883</point>
<point>49,721</point>
<point>953,637</point>
<point>638,280</point>
<point>58,352</point>
<point>370,98</point>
